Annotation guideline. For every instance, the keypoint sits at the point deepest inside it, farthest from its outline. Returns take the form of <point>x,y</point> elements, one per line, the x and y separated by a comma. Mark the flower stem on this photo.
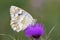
<point>36,39</point>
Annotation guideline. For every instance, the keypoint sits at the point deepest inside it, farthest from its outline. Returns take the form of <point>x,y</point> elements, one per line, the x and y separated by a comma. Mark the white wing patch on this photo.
<point>20,19</point>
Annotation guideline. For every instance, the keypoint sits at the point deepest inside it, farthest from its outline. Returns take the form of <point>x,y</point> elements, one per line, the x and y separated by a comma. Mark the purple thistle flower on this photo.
<point>35,30</point>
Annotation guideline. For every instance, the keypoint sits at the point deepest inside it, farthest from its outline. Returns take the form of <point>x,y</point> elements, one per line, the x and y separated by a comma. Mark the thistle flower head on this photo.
<point>35,30</point>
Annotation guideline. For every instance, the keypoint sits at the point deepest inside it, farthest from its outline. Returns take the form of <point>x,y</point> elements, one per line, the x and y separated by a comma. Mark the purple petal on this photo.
<point>36,29</point>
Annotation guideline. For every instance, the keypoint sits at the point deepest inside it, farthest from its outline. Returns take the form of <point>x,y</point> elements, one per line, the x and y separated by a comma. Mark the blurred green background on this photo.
<point>47,13</point>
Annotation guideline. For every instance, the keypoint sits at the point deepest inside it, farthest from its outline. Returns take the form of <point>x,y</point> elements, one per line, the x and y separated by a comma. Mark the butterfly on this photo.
<point>20,19</point>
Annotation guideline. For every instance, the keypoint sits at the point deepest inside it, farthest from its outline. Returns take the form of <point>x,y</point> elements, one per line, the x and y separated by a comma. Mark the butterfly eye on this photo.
<point>19,14</point>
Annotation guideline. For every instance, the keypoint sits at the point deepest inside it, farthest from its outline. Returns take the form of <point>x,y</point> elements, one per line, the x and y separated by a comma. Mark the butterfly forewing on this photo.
<point>20,19</point>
